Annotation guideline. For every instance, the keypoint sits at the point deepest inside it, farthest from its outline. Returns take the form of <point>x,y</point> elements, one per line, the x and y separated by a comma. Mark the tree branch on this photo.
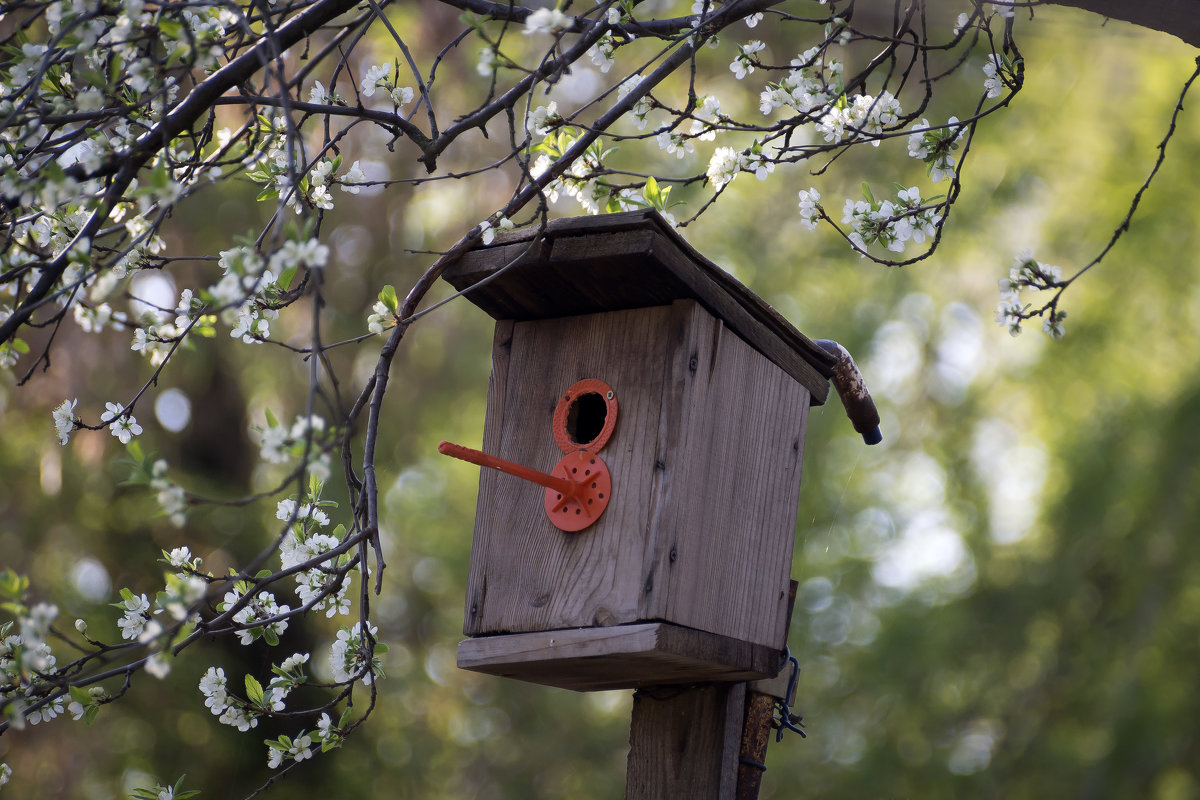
<point>1177,17</point>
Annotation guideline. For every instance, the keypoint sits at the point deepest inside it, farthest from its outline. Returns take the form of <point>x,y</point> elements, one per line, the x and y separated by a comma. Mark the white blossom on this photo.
<point>64,420</point>
<point>135,616</point>
<point>810,208</point>
<point>539,121</point>
<point>348,655</point>
<point>159,665</point>
<point>723,166</point>
<point>641,108</point>
<point>602,53</point>
<point>47,712</point>
<point>402,95</point>
<point>935,147</point>
<point>488,61</point>
<point>123,427</point>
<point>380,311</point>
<point>993,83</point>
<point>238,717</point>
<point>213,687</point>
<point>376,77</point>
<point>676,143</point>
<point>352,178</point>
<point>253,324</point>
<point>294,662</point>
<point>546,20</point>
<point>758,164</point>
<point>708,112</point>
<point>1052,326</point>
<point>325,729</point>
<point>743,65</point>
<point>180,557</point>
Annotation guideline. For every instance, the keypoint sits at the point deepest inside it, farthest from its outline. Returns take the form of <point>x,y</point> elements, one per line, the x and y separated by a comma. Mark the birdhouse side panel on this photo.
<point>497,389</point>
<point>526,574</point>
<point>728,468</point>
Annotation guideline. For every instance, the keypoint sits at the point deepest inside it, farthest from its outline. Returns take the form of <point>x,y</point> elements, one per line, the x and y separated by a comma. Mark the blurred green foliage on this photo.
<point>1001,600</point>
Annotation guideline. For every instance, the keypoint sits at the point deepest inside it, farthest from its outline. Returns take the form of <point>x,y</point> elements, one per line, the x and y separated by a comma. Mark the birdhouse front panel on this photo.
<point>527,575</point>
<point>704,462</point>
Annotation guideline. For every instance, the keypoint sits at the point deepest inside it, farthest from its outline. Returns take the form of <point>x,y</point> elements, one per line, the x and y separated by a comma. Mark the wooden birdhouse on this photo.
<point>645,431</point>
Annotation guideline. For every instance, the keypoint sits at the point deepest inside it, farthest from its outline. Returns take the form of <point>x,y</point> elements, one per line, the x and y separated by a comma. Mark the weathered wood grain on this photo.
<point>683,744</point>
<point>705,462</point>
<point>619,657</point>
<point>526,574</point>
<point>621,261</point>
<point>727,482</point>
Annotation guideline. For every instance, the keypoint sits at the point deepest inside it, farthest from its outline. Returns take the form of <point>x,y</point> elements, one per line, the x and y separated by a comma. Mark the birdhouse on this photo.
<point>642,450</point>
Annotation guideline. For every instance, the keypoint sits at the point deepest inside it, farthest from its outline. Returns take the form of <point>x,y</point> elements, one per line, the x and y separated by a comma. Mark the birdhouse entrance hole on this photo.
<point>585,418</point>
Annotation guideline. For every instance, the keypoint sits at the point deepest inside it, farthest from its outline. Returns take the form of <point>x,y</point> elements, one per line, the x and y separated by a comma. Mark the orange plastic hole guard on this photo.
<point>577,491</point>
<point>562,411</point>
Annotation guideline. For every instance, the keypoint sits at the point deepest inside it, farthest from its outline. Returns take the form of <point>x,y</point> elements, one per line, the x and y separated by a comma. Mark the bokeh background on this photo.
<point>1001,600</point>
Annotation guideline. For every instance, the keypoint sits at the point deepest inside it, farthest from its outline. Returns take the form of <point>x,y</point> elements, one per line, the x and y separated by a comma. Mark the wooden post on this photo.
<point>684,742</point>
<point>703,742</point>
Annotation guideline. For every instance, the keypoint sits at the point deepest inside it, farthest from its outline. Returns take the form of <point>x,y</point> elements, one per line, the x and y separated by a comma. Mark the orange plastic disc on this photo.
<point>593,489</point>
<point>571,416</point>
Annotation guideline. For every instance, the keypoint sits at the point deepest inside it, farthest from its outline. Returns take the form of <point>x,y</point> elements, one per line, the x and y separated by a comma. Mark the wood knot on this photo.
<point>605,618</point>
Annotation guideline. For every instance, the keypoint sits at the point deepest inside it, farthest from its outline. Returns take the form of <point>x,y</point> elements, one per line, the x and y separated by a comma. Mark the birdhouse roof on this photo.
<point>611,262</point>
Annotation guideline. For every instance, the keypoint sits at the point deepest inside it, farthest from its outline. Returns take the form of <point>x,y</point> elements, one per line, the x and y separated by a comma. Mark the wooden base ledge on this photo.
<point>618,657</point>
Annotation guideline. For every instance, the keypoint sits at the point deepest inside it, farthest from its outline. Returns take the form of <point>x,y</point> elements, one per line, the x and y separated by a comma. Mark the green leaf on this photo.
<point>285,280</point>
<point>20,346</point>
<point>12,585</point>
<point>80,695</point>
<point>866,190</point>
<point>387,296</point>
<point>473,21</point>
<point>254,690</point>
<point>652,193</point>
<point>270,637</point>
<point>90,713</point>
<point>181,795</point>
<point>271,421</point>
